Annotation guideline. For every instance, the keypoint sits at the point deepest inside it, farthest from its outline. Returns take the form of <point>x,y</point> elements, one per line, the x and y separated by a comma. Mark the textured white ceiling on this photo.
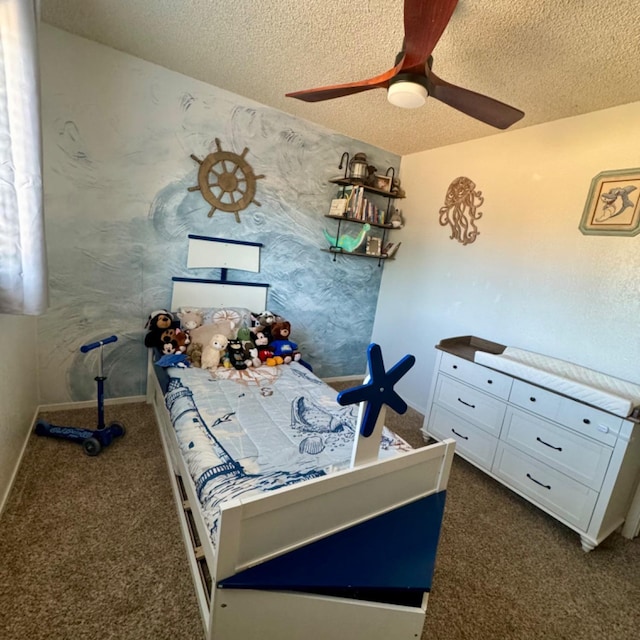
<point>550,58</point>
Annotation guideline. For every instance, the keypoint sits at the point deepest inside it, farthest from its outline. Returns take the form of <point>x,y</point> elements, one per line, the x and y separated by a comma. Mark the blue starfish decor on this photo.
<point>378,390</point>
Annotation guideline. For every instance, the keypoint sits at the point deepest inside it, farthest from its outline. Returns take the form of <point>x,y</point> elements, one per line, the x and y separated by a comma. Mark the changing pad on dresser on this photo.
<point>617,396</point>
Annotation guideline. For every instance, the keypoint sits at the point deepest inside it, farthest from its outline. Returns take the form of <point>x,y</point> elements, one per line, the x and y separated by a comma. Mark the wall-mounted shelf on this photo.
<point>364,217</point>
<point>358,254</point>
<point>348,219</point>
<point>348,182</point>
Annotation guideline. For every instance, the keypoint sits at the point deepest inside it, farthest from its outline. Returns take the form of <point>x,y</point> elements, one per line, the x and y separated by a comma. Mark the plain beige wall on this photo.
<point>531,279</point>
<point>18,392</point>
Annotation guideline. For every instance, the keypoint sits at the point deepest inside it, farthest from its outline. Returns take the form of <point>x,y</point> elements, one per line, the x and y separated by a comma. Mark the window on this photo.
<point>23,269</point>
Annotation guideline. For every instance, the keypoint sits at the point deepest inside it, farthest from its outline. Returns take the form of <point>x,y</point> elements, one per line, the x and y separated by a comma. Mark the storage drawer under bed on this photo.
<point>201,561</point>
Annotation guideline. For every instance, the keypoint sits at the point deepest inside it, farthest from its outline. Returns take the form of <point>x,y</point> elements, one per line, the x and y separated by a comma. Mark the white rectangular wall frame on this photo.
<point>218,294</point>
<point>218,253</point>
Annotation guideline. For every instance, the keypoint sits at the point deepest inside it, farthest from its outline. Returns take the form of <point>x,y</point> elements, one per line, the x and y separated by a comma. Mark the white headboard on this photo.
<point>218,253</point>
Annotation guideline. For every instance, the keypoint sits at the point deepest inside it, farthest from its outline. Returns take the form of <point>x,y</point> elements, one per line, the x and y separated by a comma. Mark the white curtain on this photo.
<point>23,267</point>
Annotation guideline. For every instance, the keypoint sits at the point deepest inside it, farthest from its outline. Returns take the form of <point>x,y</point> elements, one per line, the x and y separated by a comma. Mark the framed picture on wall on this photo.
<point>383,183</point>
<point>613,204</point>
<point>374,246</point>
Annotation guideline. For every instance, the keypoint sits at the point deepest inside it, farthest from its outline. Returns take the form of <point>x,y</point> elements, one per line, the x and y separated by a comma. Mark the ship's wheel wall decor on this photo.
<point>227,181</point>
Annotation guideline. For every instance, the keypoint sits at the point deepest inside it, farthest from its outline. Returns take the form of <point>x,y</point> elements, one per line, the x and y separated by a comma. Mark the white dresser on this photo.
<point>576,462</point>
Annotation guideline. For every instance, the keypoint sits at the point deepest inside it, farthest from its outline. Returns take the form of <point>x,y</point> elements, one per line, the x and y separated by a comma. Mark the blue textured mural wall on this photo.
<point>118,136</point>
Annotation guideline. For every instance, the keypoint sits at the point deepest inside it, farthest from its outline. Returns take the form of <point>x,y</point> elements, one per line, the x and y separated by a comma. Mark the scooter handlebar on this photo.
<point>94,345</point>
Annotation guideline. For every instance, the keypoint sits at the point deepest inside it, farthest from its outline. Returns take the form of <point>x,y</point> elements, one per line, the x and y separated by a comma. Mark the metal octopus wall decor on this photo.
<point>460,210</point>
<point>226,181</point>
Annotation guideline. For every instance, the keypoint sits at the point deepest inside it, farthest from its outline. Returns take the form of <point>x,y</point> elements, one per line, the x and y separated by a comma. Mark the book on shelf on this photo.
<point>358,207</point>
<point>354,208</point>
<point>391,248</point>
<point>338,207</point>
<point>344,192</point>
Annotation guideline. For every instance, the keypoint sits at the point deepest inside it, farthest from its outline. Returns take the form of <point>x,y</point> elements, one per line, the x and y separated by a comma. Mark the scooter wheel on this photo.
<point>91,446</point>
<point>41,428</point>
<point>118,428</point>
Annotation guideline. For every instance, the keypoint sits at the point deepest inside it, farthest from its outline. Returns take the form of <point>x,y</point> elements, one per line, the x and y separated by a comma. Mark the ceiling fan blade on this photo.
<point>340,90</point>
<point>492,112</point>
<point>424,23</point>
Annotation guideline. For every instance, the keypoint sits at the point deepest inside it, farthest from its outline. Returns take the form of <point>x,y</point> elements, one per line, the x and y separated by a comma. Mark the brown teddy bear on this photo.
<point>283,347</point>
<point>194,353</point>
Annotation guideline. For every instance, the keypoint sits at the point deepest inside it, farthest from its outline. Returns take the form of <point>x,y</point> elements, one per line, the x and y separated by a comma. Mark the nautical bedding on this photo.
<point>617,396</point>
<point>242,432</point>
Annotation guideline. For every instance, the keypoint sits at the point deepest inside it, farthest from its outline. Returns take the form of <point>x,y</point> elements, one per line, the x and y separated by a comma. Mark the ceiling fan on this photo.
<point>411,80</point>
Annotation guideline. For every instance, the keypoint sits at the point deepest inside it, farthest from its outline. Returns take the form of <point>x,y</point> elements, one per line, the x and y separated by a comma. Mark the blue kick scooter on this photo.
<point>92,440</point>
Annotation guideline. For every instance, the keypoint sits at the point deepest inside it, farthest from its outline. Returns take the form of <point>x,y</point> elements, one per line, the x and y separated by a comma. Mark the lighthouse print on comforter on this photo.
<point>251,431</point>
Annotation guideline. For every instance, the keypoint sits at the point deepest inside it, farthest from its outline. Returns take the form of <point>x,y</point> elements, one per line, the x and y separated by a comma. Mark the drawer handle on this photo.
<point>546,486</point>
<point>489,381</point>
<point>460,435</point>
<point>473,406</point>
<point>455,366</point>
<point>548,445</point>
<point>532,399</point>
<point>586,421</point>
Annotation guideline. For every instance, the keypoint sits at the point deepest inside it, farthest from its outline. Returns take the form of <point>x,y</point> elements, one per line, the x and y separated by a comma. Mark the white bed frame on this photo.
<point>257,529</point>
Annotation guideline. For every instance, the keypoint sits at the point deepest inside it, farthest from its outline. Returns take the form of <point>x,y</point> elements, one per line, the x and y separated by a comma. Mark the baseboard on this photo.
<point>14,475</point>
<point>58,407</point>
<point>343,379</point>
<point>87,404</point>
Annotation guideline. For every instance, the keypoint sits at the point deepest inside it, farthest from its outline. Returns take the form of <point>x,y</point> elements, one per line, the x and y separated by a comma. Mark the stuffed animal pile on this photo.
<point>164,335</point>
<point>189,341</point>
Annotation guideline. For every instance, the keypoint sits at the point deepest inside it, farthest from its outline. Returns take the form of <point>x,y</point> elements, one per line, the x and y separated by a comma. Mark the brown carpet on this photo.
<point>91,548</point>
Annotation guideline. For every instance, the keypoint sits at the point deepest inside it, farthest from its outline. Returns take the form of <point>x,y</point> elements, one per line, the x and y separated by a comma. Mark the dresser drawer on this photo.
<point>580,458</point>
<point>535,399</point>
<point>570,500</point>
<point>472,443</point>
<point>474,374</point>
<point>482,409</point>
<point>594,423</point>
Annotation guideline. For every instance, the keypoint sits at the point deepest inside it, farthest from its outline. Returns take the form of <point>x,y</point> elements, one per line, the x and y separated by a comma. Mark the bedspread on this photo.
<point>245,432</point>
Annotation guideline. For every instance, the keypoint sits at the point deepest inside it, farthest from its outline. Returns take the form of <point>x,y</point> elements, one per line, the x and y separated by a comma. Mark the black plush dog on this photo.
<point>157,323</point>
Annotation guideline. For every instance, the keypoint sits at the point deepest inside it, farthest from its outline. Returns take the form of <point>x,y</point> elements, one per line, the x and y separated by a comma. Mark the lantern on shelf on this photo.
<point>358,167</point>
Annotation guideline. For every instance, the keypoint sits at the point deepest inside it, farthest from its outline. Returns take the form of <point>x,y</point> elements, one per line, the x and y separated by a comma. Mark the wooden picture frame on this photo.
<point>613,204</point>
<point>383,183</point>
<point>374,246</point>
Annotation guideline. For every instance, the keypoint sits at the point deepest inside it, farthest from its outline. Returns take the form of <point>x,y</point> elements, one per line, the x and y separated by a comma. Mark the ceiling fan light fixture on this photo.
<point>407,94</point>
